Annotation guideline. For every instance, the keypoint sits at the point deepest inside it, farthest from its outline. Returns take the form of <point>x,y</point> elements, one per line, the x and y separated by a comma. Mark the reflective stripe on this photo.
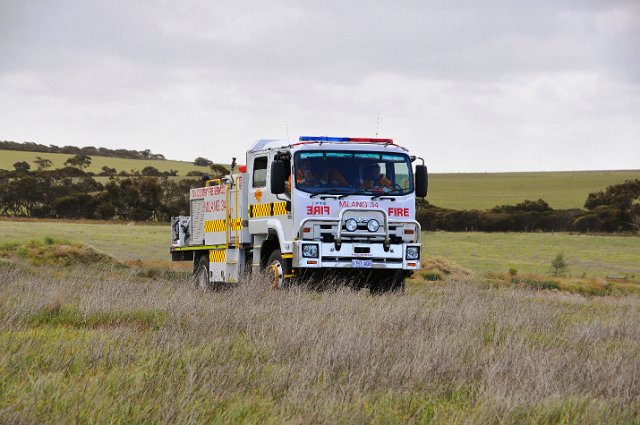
<point>217,255</point>
<point>280,208</point>
<point>214,226</point>
<point>221,225</point>
<point>267,210</point>
<point>236,224</point>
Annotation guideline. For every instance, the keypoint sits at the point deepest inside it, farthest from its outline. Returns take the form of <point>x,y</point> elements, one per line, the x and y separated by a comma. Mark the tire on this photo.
<point>275,270</point>
<point>201,273</point>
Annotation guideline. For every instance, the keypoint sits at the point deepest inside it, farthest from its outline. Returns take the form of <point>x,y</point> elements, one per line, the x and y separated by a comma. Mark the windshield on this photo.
<point>344,172</point>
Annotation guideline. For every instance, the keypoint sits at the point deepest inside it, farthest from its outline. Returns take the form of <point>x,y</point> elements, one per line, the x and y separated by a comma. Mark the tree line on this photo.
<point>73,193</point>
<point>82,161</point>
<point>75,150</point>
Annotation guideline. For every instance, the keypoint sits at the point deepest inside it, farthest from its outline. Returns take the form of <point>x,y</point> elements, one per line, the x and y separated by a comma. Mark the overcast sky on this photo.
<point>469,85</point>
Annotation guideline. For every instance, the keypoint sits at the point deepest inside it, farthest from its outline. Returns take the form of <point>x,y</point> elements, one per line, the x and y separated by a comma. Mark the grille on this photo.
<point>197,222</point>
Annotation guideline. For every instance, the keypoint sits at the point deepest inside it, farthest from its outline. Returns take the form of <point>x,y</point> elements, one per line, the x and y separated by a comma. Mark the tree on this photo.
<point>107,171</point>
<point>621,195</point>
<point>75,205</point>
<point>22,166</point>
<point>558,264</point>
<point>42,163</point>
<point>202,162</point>
<point>80,161</point>
<point>150,171</point>
<point>617,206</point>
<point>218,170</point>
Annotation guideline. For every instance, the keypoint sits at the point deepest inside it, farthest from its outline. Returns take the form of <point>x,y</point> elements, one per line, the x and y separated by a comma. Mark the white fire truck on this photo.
<point>321,204</point>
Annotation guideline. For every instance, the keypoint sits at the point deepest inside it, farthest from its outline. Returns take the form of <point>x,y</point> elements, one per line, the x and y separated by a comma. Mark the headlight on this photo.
<point>413,252</point>
<point>310,250</point>
<point>373,225</point>
<point>351,224</point>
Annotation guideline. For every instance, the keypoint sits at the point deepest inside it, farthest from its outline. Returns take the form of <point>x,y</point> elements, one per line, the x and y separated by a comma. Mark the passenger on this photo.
<point>305,176</point>
<point>374,180</point>
<point>332,177</point>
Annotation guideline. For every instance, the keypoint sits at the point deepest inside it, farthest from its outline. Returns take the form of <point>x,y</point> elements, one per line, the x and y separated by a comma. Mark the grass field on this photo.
<point>87,339</point>
<point>95,344</point>
<point>480,252</point>
<point>121,241</point>
<point>8,158</point>
<point>486,190</point>
<point>592,256</point>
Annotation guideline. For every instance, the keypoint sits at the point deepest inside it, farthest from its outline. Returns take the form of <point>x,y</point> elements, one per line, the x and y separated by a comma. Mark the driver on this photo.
<point>374,180</point>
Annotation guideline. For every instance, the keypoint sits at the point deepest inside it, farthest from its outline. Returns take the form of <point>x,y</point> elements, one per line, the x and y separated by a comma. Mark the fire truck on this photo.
<point>311,207</point>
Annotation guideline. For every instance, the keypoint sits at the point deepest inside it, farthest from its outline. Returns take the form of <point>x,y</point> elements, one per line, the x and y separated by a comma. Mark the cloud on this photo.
<point>497,85</point>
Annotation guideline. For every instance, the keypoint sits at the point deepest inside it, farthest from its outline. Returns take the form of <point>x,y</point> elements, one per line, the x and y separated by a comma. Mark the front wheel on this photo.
<point>276,270</point>
<point>201,273</point>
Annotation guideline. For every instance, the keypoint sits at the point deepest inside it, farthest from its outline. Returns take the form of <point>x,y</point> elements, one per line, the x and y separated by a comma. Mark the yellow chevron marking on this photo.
<point>215,226</point>
<point>279,208</point>
<point>236,224</point>
<point>266,210</point>
<point>217,255</point>
<point>260,210</point>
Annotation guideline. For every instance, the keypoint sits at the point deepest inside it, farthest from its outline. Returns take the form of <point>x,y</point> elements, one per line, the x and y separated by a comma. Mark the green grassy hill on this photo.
<point>8,158</point>
<point>567,189</point>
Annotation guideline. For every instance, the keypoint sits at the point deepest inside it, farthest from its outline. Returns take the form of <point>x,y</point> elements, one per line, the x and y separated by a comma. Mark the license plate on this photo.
<point>361,264</point>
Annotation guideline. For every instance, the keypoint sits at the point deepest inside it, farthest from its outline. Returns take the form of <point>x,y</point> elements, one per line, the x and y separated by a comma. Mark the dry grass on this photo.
<point>114,346</point>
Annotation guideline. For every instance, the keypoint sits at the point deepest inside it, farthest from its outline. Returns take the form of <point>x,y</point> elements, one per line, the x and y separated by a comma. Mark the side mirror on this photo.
<point>278,176</point>
<point>422,181</point>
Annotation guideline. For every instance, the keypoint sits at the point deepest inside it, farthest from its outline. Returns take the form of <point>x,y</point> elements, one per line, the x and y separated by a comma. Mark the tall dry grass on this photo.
<point>108,346</point>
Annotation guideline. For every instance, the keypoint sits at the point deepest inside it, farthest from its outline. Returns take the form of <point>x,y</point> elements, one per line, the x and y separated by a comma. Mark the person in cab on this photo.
<point>331,176</point>
<point>374,180</point>
<point>305,176</point>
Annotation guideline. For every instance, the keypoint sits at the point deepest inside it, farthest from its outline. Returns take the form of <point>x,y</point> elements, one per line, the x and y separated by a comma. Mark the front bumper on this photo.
<point>330,257</point>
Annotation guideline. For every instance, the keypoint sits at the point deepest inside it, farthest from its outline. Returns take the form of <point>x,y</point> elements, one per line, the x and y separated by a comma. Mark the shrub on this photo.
<point>151,171</point>
<point>432,276</point>
<point>537,284</point>
<point>558,264</point>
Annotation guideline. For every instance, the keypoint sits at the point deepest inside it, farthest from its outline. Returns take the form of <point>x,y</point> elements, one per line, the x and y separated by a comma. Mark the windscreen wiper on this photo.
<point>338,195</point>
<point>385,196</point>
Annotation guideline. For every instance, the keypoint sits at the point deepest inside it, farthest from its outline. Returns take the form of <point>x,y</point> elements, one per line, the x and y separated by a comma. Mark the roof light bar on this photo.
<point>370,140</point>
<point>343,139</point>
<point>323,139</point>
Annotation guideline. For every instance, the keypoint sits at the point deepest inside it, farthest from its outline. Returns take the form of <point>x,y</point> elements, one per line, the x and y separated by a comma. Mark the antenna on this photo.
<point>378,125</point>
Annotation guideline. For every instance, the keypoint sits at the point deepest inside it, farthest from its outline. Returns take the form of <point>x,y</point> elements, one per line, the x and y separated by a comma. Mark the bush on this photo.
<point>202,162</point>
<point>218,170</point>
<point>537,284</point>
<point>151,171</point>
<point>558,264</point>
<point>432,276</point>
